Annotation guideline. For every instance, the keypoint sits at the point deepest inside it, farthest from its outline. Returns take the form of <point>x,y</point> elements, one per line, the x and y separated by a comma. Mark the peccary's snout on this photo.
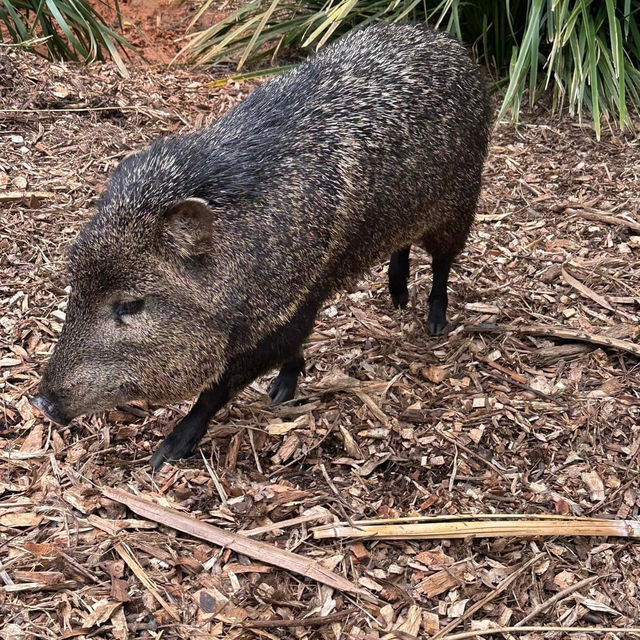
<point>50,408</point>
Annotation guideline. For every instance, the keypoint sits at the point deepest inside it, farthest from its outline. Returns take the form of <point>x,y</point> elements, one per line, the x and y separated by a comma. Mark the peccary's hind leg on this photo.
<point>185,436</point>
<point>398,276</point>
<point>438,298</point>
<point>283,386</point>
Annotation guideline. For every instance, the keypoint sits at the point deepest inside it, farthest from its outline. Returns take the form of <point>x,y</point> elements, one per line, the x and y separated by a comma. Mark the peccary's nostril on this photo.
<point>53,413</point>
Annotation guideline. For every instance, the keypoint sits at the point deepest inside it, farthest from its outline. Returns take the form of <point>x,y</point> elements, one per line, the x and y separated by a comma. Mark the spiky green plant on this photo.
<point>587,52</point>
<point>67,29</point>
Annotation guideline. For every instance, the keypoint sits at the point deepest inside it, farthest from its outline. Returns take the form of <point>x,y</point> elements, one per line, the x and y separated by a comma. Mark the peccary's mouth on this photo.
<point>50,410</point>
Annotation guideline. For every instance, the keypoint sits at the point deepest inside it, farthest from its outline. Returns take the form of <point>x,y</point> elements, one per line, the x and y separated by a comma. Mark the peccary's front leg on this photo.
<point>283,386</point>
<point>286,346</point>
<point>185,436</point>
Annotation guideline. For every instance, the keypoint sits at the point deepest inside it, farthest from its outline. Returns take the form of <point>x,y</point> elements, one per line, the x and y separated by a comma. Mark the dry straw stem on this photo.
<point>236,542</point>
<point>473,526</point>
<point>489,632</point>
<point>557,332</point>
<point>488,598</point>
<point>559,596</point>
<point>600,216</point>
<point>136,567</point>
<point>313,621</point>
<point>570,279</point>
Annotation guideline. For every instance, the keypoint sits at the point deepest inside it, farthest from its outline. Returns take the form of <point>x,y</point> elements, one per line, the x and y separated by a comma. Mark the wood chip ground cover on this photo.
<point>389,421</point>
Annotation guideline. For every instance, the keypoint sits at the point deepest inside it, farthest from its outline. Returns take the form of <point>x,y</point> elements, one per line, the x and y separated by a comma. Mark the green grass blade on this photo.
<point>534,61</point>
<point>62,23</point>
<point>627,17</point>
<point>592,51</point>
<point>256,34</point>
<point>586,51</point>
<point>16,25</point>
<point>518,70</point>
<point>613,37</point>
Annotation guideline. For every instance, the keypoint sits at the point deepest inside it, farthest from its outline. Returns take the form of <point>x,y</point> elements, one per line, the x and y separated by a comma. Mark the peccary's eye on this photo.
<point>127,308</point>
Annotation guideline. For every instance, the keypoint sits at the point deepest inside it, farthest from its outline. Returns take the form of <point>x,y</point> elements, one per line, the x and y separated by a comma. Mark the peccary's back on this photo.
<point>371,144</point>
<point>377,140</point>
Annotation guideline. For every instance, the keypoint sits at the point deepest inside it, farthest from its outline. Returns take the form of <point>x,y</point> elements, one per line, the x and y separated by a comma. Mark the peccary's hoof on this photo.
<point>400,299</point>
<point>159,457</point>
<point>283,387</point>
<point>436,329</point>
<point>179,444</point>
<point>167,452</point>
<point>437,320</point>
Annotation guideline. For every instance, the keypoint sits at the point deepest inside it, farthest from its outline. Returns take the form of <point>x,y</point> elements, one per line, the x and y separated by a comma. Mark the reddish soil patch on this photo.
<point>156,28</point>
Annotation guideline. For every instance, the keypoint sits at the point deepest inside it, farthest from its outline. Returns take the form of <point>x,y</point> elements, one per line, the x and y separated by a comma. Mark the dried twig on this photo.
<point>559,596</point>
<point>216,481</point>
<point>29,196</point>
<point>497,630</point>
<point>124,107</point>
<point>474,527</point>
<point>78,568</point>
<point>134,565</point>
<point>586,291</point>
<point>284,524</point>
<point>488,598</point>
<point>472,453</point>
<point>592,214</point>
<point>526,387</point>
<point>557,332</point>
<point>238,543</point>
<point>298,622</point>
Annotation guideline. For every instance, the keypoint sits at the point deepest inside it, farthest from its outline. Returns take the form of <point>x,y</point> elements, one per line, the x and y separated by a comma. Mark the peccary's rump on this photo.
<point>211,253</point>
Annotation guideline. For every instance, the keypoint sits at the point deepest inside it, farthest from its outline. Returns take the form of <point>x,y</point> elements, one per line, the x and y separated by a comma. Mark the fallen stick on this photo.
<point>234,541</point>
<point>472,453</point>
<point>125,553</point>
<point>584,290</point>
<point>557,332</point>
<point>526,387</point>
<point>298,622</point>
<point>22,455</point>
<point>474,527</point>
<point>17,196</point>
<point>603,217</point>
<point>556,598</point>
<point>488,632</point>
<point>283,524</point>
<point>491,596</point>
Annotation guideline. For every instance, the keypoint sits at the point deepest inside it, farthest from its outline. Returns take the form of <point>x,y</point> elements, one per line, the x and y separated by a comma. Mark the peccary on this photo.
<point>211,253</point>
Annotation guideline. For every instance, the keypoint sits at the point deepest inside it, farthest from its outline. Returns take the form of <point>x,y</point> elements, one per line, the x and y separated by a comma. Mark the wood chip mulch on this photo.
<point>389,420</point>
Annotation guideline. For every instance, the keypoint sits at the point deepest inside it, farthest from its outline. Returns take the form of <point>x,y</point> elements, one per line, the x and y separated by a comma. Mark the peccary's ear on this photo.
<point>189,226</point>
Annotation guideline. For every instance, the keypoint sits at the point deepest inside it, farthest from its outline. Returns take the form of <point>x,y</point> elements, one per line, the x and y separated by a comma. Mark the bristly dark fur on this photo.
<point>375,143</point>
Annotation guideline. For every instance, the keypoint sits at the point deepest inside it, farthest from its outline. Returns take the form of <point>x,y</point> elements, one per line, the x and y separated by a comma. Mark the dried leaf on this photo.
<point>102,611</point>
<point>18,519</point>
<point>434,373</point>
<point>595,485</point>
